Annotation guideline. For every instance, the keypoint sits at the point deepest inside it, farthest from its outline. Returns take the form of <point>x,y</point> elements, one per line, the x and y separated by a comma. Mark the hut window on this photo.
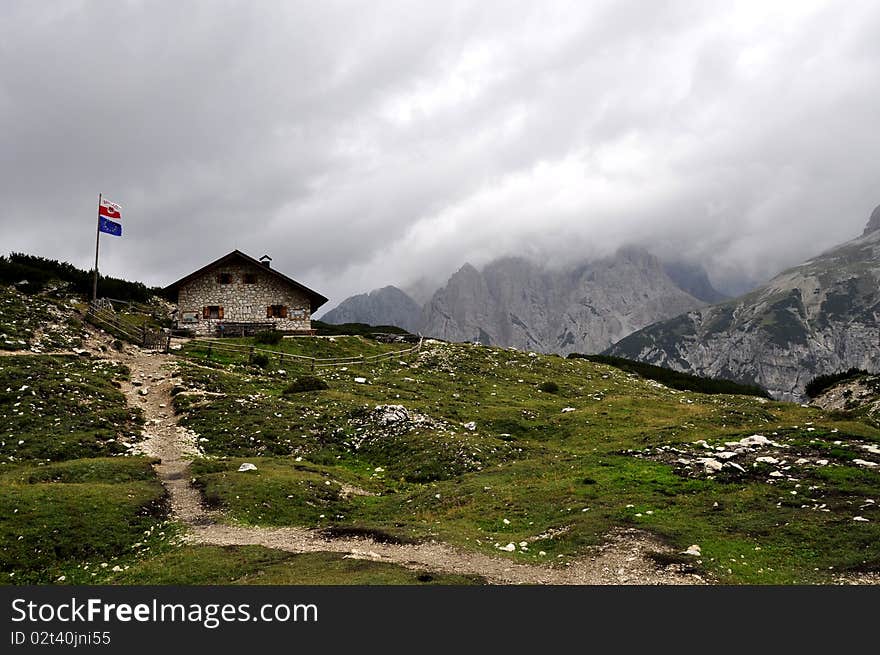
<point>276,311</point>
<point>224,278</point>
<point>212,311</point>
<point>250,278</point>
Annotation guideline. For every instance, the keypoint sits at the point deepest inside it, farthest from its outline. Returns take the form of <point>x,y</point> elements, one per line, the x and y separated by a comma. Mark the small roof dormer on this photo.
<point>266,261</point>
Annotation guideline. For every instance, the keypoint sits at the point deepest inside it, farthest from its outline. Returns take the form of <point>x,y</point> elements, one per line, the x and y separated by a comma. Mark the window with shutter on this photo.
<point>219,312</point>
<point>206,312</point>
<point>276,311</point>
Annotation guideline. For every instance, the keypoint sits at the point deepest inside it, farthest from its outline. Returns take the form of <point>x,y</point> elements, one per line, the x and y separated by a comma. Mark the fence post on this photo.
<point>251,355</point>
<point>168,344</point>
<point>313,364</point>
<point>281,360</point>
<point>209,352</point>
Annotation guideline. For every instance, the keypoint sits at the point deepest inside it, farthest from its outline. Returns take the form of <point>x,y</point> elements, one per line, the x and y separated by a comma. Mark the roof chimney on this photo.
<point>266,261</point>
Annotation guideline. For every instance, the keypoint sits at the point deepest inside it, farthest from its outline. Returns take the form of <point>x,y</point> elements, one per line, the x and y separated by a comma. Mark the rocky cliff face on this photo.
<point>386,306</point>
<point>873,222</point>
<point>817,318</point>
<point>513,302</point>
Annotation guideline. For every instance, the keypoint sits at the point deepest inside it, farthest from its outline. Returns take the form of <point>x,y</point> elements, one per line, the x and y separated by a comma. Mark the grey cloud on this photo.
<point>363,144</point>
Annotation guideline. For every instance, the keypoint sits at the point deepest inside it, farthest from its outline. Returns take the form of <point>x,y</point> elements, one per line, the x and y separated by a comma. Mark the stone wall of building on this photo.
<point>241,302</point>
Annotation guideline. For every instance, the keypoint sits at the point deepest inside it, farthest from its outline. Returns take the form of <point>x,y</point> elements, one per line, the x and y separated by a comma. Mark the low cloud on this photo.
<point>362,144</point>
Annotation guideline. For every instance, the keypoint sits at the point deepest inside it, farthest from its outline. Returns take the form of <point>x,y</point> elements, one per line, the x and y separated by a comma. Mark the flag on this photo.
<point>109,227</point>
<point>110,210</point>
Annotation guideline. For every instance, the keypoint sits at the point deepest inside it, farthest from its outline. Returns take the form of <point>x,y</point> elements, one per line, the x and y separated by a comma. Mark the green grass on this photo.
<point>562,480</point>
<point>55,517</point>
<point>24,317</point>
<point>255,565</point>
<point>57,408</point>
<point>336,347</point>
<point>70,500</point>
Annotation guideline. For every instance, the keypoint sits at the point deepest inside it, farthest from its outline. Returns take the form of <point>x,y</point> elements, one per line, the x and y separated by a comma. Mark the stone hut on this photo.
<point>239,295</point>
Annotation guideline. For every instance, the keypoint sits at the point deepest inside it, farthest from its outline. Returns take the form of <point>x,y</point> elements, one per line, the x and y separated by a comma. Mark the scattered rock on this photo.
<point>693,550</point>
<point>247,466</point>
<point>360,380</point>
<point>710,464</point>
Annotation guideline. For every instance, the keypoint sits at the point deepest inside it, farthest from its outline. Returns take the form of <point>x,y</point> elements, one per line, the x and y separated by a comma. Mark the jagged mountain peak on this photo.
<point>386,306</point>
<point>873,222</point>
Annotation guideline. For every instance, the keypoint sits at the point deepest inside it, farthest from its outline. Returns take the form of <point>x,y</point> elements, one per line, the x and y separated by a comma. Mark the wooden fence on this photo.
<point>102,315</point>
<point>217,346</point>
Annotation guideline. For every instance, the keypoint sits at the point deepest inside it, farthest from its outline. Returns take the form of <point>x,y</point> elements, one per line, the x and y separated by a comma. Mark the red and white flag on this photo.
<point>110,209</point>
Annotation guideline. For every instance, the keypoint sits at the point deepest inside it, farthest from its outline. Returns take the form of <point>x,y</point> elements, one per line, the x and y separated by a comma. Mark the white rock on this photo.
<point>767,460</point>
<point>735,466</point>
<point>756,440</point>
<point>565,410</point>
<point>710,464</point>
<point>775,474</point>
<point>360,380</point>
<point>509,547</point>
<point>860,519</point>
<point>822,462</point>
<point>144,391</point>
<point>693,550</point>
<point>470,425</point>
<point>247,466</point>
<point>505,521</point>
<point>864,462</point>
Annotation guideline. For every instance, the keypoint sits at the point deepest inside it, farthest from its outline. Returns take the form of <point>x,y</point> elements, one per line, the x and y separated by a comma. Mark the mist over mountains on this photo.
<point>515,302</point>
<point>817,318</point>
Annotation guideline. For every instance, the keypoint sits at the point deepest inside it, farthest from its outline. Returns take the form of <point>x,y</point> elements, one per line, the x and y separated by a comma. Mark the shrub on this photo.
<point>260,360</point>
<point>824,382</point>
<point>676,379</point>
<point>306,383</point>
<point>549,386</point>
<point>270,337</point>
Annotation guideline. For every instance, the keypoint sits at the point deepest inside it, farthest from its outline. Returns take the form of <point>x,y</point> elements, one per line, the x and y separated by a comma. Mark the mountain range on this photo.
<point>513,302</point>
<point>814,319</point>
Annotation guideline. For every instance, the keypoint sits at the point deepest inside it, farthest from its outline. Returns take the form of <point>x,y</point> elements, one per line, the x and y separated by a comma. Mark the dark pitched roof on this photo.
<point>315,298</point>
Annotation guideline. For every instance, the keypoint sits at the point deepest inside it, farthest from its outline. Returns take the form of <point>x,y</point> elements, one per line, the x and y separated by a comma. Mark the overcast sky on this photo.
<point>368,143</point>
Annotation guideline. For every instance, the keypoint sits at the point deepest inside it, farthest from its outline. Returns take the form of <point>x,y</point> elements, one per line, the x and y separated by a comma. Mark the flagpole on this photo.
<point>97,243</point>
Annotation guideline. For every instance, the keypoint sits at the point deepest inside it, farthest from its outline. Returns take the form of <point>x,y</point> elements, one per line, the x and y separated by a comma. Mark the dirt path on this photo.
<point>622,560</point>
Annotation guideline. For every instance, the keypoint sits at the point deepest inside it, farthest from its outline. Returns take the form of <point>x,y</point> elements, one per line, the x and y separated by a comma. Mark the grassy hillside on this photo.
<point>70,499</point>
<point>460,443</point>
<point>524,456</point>
<point>675,379</point>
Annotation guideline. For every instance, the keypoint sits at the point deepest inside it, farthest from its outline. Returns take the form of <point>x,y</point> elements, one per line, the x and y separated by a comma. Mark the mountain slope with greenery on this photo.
<point>461,444</point>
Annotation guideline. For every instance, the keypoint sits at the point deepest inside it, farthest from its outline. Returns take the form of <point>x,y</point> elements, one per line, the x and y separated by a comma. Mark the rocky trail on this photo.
<point>622,560</point>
